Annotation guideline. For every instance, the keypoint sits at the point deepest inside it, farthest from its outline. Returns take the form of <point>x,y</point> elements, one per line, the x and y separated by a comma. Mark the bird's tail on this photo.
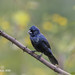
<point>53,59</point>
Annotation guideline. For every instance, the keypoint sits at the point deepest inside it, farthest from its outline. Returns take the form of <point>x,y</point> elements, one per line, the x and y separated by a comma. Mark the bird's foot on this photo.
<point>39,56</point>
<point>33,51</point>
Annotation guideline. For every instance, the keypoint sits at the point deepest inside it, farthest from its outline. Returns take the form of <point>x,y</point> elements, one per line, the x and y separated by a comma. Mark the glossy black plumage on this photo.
<point>41,44</point>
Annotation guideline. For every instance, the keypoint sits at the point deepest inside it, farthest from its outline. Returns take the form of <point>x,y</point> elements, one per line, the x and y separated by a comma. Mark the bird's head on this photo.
<point>33,31</point>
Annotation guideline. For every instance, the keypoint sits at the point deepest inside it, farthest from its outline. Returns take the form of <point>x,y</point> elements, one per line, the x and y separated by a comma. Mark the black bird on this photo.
<point>41,44</point>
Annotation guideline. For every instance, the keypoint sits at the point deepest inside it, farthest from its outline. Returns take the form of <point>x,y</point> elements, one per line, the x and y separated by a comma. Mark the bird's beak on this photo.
<point>29,32</point>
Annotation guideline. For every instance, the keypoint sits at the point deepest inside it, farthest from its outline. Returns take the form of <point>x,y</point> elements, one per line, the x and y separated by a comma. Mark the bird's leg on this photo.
<point>33,51</point>
<point>39,56</point>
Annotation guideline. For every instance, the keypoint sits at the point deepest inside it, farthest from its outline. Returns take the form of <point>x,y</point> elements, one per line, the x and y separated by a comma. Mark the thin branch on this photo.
<point>25,49</point>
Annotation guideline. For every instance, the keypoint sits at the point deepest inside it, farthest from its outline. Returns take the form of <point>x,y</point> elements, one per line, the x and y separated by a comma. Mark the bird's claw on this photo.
<point>33,51</point>
<point>39,56</point>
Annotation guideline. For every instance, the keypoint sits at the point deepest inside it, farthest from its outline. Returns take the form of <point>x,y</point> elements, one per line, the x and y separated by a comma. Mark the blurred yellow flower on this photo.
<point>1,73</point>
<point>21,18</point>
<point>5,25</point>
<point>47,26</point>
<point>62,21</point>
<point>59,19</point>
<point>55,18</point>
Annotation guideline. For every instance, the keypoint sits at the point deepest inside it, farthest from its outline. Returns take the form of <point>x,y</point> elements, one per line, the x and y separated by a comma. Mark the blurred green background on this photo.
<point>54,18</point>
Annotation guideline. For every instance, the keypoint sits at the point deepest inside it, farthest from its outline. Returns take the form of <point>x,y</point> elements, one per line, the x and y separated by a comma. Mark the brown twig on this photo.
<point>25,49</point>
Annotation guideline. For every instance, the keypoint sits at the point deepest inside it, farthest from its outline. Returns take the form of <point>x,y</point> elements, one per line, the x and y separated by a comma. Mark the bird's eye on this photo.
<point>31,30</point>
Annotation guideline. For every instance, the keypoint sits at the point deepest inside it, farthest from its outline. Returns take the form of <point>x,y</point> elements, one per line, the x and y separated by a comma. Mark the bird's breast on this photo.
<point>35,40</point>
<point>38,44</point>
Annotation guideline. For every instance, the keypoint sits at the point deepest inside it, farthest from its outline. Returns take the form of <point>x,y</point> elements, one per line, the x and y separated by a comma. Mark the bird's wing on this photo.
<point>44,40</point>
